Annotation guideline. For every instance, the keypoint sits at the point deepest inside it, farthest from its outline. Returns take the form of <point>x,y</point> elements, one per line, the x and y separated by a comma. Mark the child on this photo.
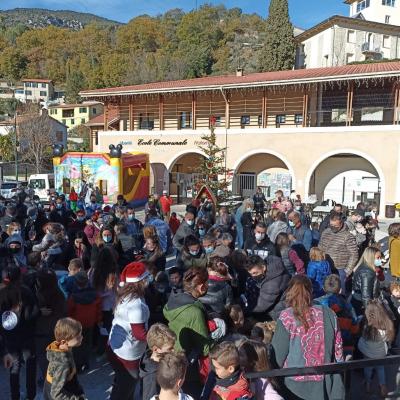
<point>67,282</point>
<point>160,341</point>
<point>392,300</point>
<point>376,333</point>
<point>61,380</point>
<point>344,311</point>
<point>254,358</point>
<point>263,331</point>
<point>231,383</point>
<point>174,223</point>
<point>84,305</point>
<point>171,376</point>
<point>318,269</point>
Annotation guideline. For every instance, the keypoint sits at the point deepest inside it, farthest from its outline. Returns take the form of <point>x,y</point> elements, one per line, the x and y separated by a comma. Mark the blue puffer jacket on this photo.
<point>317,271</point>
<point>163,232</point>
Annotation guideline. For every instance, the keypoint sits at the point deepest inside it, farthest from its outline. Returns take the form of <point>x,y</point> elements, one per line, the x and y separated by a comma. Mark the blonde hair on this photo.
<point>12,226</point>
<point>160,335</point>
<point>149,231</point>
<point>316,254</point>
<point>225,354</point>
<point>268,329</point>
<point>247,203</point>
<point>67,329</point>
<point>368,257</point>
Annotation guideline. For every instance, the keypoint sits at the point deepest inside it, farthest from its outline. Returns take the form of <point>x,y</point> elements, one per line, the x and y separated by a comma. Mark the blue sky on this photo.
<point>304,13</point>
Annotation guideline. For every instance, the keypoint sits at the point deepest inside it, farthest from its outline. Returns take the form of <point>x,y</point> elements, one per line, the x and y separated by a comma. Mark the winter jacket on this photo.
<point>163,232</point>
<point>218,296</point>
<point>276,228</point>
<point>258,200</point>
<point>365,285</point>
<point>84,305</point>
<point>317,271</point>
<point>236,387</point>
<point>341,247</point>
<point>186,317</point>
<point>61,375</point>
<point>292,262</point>
<point>165,203</point>
<point>147,373</point>
<point>157,257</point>
<point>186,260</point>
<point>360,237</point>
<point>303,236</point>
<point>247,223</point>
<point>270,301</point>
<point>263,249</point>
<point>183,231</point>
<point>263,390</point>
<point>394,254</point>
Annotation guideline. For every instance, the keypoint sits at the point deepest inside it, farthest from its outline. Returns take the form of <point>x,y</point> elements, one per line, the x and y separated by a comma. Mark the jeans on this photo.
<point>28,356</point>
<point>343,277</point>
<point>380,370</point>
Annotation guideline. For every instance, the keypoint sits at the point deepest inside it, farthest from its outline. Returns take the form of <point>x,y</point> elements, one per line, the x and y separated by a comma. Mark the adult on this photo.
<point>192,254</point>
<point>281,203</point>
<point>77,225</point>
<point>187,319</point>
<point>340,246</point>
<point>162,228</point>
<point>165,205</point>
<point>259,243</point>
<point>259,201</point>
<point>308,335</point>
<point>34,224</point>
<point>121,202</point>
<point>154,254</point>
<point>300,233</point>
<point>365,282</point>
<point>272,281</point>
<point>127,342</point>
<point>185,229</point>
<point>92,206</point>
<point>279,225</point>
<point>246,220</point>
<point>225,222</point>
<point>133,225</point>
<point>337,208</point>
<point>352,223</point>
<point>60,214</point>
<point>246,204</point>
<point>8,217</point>
<point>394,249</point>
<point>206,210</point>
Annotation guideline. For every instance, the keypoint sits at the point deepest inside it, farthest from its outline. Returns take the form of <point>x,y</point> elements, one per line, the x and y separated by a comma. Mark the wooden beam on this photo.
<point>161,111</point>
<point>194,107</point>
<point>305,108</point>
<point>350,95</point>
<point>131,118</point>
<point>264,109</point>
<point>396,104</point>
<point>227,111</point>
<point>106,116</point>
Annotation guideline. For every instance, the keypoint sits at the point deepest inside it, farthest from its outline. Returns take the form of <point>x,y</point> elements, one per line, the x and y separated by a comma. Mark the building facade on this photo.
<point>383,11</point>
<point>315,123</point>
<point>38,90</point>
<point>73,115</point>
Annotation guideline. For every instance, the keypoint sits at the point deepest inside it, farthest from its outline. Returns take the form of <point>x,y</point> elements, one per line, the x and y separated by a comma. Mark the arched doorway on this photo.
<point>264,168</point>
<point>347,177</point>
<point>182,174</point>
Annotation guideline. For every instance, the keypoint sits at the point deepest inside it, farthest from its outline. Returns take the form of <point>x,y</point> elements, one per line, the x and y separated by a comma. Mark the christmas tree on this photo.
<point>212,171</point>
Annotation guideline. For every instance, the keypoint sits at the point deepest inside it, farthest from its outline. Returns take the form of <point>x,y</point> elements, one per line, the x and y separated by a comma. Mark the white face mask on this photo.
<point>190,222</point>
<point>17,232</point>
<point>260,236</point>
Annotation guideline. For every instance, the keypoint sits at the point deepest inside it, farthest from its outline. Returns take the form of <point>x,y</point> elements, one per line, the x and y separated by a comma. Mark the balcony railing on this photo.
<point>369,48</point>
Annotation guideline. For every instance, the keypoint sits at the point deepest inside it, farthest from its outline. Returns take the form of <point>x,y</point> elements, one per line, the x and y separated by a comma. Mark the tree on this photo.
<point>279,47</point>
<point>212,170</point>
<point>35,135</point>
<point>75,83</point>
<point>7,147</point>
<point>79,138</point>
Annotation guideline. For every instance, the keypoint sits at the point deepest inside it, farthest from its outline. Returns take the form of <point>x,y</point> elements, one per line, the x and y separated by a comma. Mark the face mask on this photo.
<point>258,278</point>
<point>47,215</point>
<point>34,217</point>
<point>14,250</point>
<point>107,239</point>
<point>335,229</point>
<point>260,236</point>
<point>298,208</point>
<point>130,217</point>
<point>9,320</point>
<point>292,224</point>
<point>208,250</point>
<point>17,232</point>
<point>202,232</point>
<point>150,278</point>
<point>80,219</point>
<point>194,253</point>
<point>378,262</point>
<point>59,205</point>
<point>37,201</point>
<point>249,209</point>
<point>190,222</point>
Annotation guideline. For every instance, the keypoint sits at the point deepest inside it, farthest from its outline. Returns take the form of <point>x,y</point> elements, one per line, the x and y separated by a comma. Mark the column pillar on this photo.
<point>194,104</point>
<point>264,109</point>
<point>161,111</point>
<point>350,95</point>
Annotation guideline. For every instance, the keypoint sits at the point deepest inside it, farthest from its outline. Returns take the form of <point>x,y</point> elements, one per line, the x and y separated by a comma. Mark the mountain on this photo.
<point>40,18</point>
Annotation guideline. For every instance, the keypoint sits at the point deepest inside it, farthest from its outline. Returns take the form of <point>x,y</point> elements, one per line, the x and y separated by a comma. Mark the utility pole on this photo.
<point>16,136</point>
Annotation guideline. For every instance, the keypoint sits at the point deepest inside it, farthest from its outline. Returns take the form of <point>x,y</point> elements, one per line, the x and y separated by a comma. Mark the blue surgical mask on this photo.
<point>208,250</point>
<point>80,219</point>
<point>194,253</point>
<point>59,205</point>
<point>130,217</point>
<point>249,209</point>
<point>292,224</point>
<point>107,239</point>
<point>150,278</point>
<point>378,262</point>
<point>202,232</point>
<point>190,222</point>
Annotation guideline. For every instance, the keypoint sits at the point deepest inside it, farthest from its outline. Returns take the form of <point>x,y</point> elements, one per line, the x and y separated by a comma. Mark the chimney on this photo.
<point>239,72</point>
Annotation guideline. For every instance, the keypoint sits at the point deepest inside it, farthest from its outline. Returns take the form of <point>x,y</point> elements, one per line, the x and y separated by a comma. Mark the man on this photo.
<point>162,228</point>
<point>337,208</point>
<point>9,216</point>
<point>93,206</point>
<point>185,229</point>
<point>259,243</point>
<point>340,246</point>
<point>165,204</point>
<point>258,200</point>
<point>353,225</point>
<point>77,225</point>
<point>300,233</point>
<point>121,202</point>
<point>60,214</point>
<point>34,225</point>
<point>281,203</point>
<point>134,226</point>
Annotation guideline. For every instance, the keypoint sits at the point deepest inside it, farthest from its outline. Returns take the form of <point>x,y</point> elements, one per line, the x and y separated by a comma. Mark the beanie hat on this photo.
<point>132,273</point>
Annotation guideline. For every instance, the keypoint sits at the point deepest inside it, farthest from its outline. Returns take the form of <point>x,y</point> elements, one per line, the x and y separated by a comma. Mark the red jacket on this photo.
<point>73,196</point>
<point>84,305</point>
<point>174,224</point>
<point>166,203</point>
<point>238,390</point>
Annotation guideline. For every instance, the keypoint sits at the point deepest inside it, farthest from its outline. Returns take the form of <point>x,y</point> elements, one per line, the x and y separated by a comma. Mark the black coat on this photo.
<point>365,285</point>
<point>271,300</point>
<point>252,247</point>
<point>218,296</point>
<point>247,223</point>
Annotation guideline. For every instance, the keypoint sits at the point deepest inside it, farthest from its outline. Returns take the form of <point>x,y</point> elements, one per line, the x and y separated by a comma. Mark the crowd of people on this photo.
<point>184,307</point>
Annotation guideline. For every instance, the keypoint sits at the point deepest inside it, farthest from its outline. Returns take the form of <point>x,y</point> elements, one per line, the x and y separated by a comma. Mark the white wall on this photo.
<point>377,12</point>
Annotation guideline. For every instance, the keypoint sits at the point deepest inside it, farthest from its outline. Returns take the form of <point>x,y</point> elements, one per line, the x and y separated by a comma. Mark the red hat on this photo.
<point>133,272</point>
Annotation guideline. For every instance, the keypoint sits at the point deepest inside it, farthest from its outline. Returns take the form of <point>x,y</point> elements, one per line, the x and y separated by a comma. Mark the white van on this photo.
<point>42,184</point>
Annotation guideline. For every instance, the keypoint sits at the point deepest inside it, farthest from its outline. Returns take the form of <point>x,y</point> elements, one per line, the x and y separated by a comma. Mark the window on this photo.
<point>390,3</point>
<point>43,93</point>
<point>280,119</point>
<point>146,121</point>
<point>260,121</point>
<point>387,19</point>
<point>28,92</point>
<point>27,84</point>
<point>82,110</point>
<point>64,121</point>
<point>53,111</point>
<point>362,4</point>
<point>371,114</point>
<point>43,85</point>
<point>67,113</point>
<point>94,111</point>
<point>244,120</point>
<point>59,136</point>
<point>83,120</point>
<point>185,120</point>
<point>103,187</point>
<point>298,119</point>
<point>351,36</point>
<point>72,121</point>
<point>218,121</point>
<point>96,138</point>
<point>37,184</point>
<point>386,42</point>
<point>350,58</point>
<point>339,115</point>
<point>35,84</point>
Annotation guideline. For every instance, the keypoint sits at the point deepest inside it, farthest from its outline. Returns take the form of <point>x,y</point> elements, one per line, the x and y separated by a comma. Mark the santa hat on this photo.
<point>133,272</point>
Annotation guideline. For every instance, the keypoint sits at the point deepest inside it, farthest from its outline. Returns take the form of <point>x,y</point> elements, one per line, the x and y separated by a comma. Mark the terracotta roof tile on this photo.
<point>37,80</point>
<point>267,78</point>
<point>99,119</point>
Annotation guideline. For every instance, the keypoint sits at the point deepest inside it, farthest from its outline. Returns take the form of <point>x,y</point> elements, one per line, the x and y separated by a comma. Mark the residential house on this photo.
<point>38,90</point>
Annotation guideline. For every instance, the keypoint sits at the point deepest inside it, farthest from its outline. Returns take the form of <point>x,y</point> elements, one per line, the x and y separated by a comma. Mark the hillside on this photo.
<point>40,18</point>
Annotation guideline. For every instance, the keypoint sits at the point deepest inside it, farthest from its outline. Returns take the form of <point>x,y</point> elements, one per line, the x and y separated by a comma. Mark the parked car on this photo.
<point>9,189</point>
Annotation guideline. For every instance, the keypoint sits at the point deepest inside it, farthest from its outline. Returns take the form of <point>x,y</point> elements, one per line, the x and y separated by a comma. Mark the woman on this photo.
<point>394,249</point>
<point>92,229</point>
<point>153,253</point>
<point>219,294</point>
<point>365,282</point>
<point>308,335</point>
<point>246,219</point>
<point>106,238</point>
<point>187,318</point>
<point>73,199</point>
<point>103,278</point>
<point>292,262</point>
<point>82,249</point>
<point>127,342</point>
<point>192,254</point>
<point>238,217</point>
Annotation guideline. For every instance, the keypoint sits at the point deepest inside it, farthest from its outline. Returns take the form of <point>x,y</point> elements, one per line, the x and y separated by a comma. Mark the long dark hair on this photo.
<point>104,266</point>
<point>131,291</point>
<point>48,292</point>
